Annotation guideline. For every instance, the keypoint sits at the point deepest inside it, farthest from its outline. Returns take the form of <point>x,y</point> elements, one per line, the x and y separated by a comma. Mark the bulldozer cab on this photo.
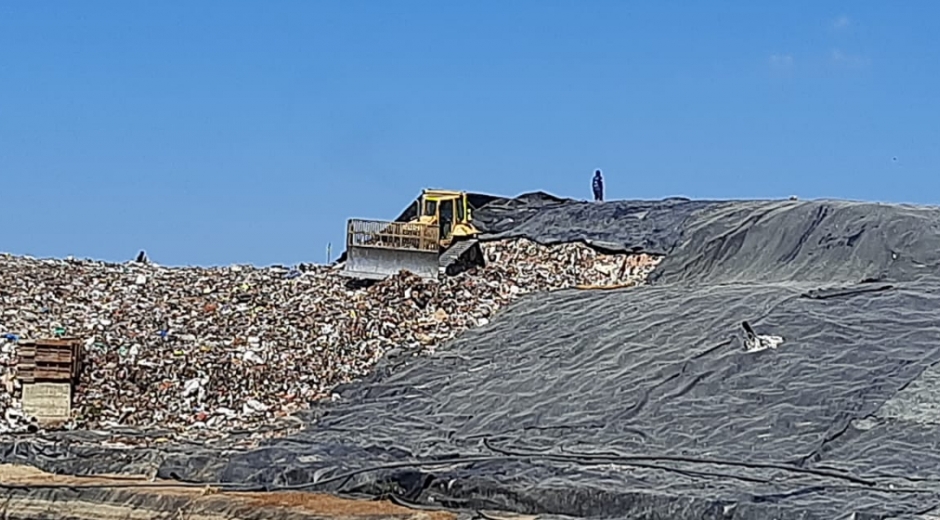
<point>449,211</point>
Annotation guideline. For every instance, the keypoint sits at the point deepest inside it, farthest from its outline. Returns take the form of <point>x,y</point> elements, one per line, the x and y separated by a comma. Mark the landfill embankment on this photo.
<point>651,402</point>
<point>200,353</point>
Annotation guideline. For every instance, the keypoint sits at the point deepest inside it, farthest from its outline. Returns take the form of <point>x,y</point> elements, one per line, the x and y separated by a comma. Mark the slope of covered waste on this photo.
<point>652,402</point>
<point>827,242</point>
<point>204,351</point>
<point>632,225</point>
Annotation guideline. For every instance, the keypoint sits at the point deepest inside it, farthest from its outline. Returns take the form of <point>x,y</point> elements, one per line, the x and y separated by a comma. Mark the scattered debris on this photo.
<point>206,350</point>
<point>755,343</point>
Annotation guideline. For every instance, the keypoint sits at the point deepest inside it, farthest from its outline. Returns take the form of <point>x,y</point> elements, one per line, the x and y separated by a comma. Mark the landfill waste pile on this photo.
<point>780,362</point>
<point>203,351</point>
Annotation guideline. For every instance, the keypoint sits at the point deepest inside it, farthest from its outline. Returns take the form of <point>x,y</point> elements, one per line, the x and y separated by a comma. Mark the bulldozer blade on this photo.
<point>373,263</point>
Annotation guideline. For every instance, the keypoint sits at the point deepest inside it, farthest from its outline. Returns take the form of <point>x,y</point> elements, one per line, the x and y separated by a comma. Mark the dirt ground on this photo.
<point>313,504</point>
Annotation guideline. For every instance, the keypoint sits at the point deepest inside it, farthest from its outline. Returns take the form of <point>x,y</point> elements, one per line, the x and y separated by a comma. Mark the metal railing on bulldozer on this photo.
<point>392,235</point>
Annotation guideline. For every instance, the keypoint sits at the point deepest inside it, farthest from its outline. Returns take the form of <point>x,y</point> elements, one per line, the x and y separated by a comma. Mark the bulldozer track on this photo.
<point>459,256</point>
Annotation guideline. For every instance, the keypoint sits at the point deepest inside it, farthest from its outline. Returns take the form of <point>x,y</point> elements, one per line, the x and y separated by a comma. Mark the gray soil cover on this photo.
<point>651,402</point>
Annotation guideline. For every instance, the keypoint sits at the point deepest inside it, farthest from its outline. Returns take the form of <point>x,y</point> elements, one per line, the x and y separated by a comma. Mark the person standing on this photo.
<point>598,186</point>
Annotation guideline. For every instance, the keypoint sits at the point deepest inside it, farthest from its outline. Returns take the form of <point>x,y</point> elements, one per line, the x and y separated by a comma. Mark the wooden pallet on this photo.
<point>49,361</point>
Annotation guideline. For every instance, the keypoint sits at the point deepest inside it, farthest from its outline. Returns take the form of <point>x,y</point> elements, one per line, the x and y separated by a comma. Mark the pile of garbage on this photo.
<point>201,351</point>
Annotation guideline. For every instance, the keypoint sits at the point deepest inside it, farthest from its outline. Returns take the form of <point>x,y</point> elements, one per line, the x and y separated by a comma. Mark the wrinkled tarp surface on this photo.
<point>640,226</point>
<point>644,403</point>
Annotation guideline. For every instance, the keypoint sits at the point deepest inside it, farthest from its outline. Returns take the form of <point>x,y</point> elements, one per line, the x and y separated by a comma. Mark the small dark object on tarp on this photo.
<point>843,292</point>
<point>749,331</point>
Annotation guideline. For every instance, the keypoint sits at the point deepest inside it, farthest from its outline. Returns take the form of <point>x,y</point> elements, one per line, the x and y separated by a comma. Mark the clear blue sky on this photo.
<point>248,132</point>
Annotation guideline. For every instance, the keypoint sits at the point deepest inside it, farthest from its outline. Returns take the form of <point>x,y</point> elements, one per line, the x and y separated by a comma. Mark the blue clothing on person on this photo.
<point>598,186</point>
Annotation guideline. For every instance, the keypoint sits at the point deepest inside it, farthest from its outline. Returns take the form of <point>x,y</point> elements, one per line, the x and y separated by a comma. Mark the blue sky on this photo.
<point>248,132</point>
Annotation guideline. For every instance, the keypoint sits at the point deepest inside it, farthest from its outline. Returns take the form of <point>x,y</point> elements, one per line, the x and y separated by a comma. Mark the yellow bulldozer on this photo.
<point>439,239</point>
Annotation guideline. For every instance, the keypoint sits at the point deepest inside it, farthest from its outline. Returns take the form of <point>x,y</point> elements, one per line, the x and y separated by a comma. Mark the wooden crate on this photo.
<point>49,361</point>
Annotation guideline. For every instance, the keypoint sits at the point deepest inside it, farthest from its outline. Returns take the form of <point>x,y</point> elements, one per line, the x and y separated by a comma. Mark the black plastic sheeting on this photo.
<point>816,242</point>
<point>644,403</point>
<point>638,226</point>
